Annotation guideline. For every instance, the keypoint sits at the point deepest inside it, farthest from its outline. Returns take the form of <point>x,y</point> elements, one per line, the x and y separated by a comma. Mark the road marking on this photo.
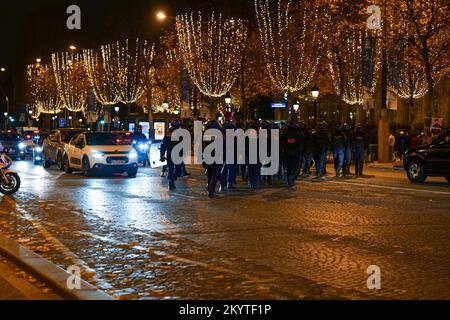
<point>391,188</point>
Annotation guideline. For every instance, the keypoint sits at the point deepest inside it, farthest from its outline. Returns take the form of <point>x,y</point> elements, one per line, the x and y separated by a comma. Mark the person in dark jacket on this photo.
<point>214,170</point>
<point>229,170</point>
<point>321,145</point>
<point>307,154</point>
<point>348,149</point>
<point>361,147</point>
<point>291,142</point>
<point>174,170</point>
<point>254,169</point>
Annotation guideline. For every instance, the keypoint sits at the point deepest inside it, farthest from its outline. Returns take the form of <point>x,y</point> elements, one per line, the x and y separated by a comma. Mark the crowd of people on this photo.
<point>301,149</point>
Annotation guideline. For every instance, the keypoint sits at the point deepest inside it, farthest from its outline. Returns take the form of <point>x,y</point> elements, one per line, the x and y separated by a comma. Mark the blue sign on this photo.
<point>61,122</point>
<point>280,105</point>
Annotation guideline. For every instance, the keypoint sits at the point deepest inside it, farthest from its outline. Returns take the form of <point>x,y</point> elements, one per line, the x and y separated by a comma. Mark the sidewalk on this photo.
<point>16,284</point>
<point>396,166</point>
<point>18,263</point>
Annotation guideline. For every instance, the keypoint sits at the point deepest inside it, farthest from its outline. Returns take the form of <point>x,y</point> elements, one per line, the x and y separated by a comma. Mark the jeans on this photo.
<point>338,155</point>
<point>228,175</point>
<point>213,173</point>
<point>320,160</point>
<point>306,163</point>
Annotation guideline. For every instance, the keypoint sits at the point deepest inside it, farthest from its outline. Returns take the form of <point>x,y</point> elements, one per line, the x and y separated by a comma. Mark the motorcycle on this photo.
<point>142,149</point>
<point>9,180</point>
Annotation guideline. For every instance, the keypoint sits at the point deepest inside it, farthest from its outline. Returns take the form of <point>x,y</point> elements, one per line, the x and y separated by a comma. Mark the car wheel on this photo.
<point>60,162</point>
<point>45,161</point>
<point>132,173</point>
<point>86,167</point>
<point>416,172</point>
<point>67,165</point>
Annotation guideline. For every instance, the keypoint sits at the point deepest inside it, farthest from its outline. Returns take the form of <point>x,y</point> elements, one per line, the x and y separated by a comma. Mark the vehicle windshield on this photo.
<point>10,137</point>
<point>66,136</point>
<point>101,139</point>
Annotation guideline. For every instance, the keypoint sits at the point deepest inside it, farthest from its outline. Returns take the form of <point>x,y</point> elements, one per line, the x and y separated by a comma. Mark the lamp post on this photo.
<point>6,120</point>
<point>3,70</point>
<point>315,95</point>
<point>296,107</point>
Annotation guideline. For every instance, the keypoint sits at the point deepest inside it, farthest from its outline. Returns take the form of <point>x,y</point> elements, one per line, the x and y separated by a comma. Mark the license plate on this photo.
<point>118,162</point>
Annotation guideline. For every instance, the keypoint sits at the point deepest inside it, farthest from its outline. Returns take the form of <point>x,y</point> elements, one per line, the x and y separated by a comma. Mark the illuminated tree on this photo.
<point>42,93</point>
<point>290,41</point>
<point>211,51</point>
<point>71,80</point>
<point>103,86</point>
<point>426,27</point>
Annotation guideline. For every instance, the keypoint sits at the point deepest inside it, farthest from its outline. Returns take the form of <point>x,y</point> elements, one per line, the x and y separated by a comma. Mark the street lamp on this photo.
<point>315,92</point>
<point>117,109</point>
<point>6,120</point>
<point>296,106</point>
<point>165,105</point>
<point>72,47</point>
<point>161,16</point>
<point>38,60</point>
<point>228,99</point>
<point>2,69</point>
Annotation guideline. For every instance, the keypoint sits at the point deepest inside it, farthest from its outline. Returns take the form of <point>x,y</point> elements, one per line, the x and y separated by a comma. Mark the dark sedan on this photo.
<point>14,144</point>
<point>432,160</point>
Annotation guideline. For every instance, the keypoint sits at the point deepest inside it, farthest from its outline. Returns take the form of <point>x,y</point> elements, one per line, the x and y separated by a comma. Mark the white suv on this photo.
<point>100,152</point>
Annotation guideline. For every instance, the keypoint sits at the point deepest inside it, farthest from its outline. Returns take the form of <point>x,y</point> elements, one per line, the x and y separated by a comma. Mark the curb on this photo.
<point>393,168</point>
<point>48,272</point>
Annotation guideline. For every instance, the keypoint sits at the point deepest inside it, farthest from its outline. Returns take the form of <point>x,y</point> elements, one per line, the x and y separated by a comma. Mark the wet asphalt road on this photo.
<point>135,240</point>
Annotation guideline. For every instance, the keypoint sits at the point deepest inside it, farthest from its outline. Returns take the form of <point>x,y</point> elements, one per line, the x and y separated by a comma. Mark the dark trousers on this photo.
<point>347,160</point>
<point>254,172</point>
<point>228,175</point>
<point>306,162</point>
<point>292,165</point>
<point>338,155</point>
<point>359,161</point>
<point>320,158</point>
<point>213,174</point>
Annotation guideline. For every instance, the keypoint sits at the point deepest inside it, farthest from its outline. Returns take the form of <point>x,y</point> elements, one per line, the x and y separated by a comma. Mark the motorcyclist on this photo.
<point>5,160</point>
<point>140,143</point>
<point>174,170</point>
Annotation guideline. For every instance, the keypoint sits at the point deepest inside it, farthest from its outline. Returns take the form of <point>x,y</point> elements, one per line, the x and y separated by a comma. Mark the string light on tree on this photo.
<point>211,50</point>
<point>290,41</point>
<point>124,62</point>
<point>344,61</point>
<point>71,79</point>
<point>42,93</point>
<point>413,84</point>
<point>102,85</point>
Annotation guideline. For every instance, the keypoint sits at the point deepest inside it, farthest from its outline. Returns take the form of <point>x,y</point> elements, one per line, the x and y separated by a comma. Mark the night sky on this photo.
<point>38,27</point>
<point>35,28</point>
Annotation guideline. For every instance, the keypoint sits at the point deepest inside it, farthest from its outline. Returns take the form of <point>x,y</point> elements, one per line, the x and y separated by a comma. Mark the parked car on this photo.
<point>100,152</point>
<point>14,144</point>
<point>53,147</point>
<point>430,160</point>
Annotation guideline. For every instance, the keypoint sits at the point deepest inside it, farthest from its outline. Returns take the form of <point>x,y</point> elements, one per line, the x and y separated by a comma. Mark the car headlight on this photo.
<point>133,154</point>
<point>22,146</point>
<point>38,149</point>
<point>97,155</point>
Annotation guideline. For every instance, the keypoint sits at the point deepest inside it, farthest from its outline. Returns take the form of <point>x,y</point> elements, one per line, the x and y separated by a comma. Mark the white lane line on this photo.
<point>391,188</point>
